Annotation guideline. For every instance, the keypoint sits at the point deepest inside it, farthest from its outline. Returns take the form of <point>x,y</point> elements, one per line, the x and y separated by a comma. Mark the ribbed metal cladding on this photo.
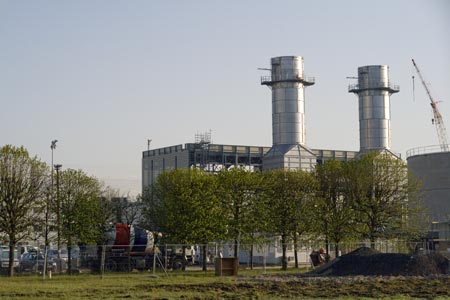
<point>288,100</point>
<point>374,90</point>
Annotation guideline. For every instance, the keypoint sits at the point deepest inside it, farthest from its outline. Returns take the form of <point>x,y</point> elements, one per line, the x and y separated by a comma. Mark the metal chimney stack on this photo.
<point>374,90</point>
<point>287,82</point>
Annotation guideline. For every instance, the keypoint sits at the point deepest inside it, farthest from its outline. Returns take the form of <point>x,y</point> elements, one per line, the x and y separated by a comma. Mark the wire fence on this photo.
<point>106,259</point>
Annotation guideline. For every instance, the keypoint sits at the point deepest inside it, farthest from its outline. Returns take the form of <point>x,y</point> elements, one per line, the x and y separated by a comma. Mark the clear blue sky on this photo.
<point>104,76</point>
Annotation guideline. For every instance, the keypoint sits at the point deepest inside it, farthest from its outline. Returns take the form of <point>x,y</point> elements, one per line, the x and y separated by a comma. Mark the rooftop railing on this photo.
<point>374,85</point>
<point>286,77</point>
<point>427,150</point>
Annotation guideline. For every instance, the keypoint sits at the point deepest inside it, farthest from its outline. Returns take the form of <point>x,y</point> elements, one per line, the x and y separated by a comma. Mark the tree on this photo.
<point>22,181</point>
<point>82,217</point>
<point>123,208</point>
<point>382,195</point>
<point>333,211</point>
<point>186,208</point>
<point>237,189</point>
<point>291,193</point>
<point>127,211</point>
<point>304,200</point>
<point>152,209</point>
<point>245,207</point>
<point>108,195</point>
<point>257,225</point>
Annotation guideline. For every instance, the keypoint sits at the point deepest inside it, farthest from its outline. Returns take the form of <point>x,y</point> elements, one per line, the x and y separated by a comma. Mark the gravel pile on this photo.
<point>368,262</point>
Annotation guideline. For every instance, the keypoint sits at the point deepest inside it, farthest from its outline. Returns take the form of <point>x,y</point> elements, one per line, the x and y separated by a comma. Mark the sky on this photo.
<point>103,77</point>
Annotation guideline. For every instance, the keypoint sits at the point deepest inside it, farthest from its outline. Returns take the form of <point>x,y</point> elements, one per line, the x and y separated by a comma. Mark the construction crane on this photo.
<point>437,117</point>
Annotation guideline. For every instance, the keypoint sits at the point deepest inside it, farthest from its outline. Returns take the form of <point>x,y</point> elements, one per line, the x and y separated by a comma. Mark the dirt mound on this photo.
<point>429,264</point>
<point>366,261</point>
<point>363,251</point>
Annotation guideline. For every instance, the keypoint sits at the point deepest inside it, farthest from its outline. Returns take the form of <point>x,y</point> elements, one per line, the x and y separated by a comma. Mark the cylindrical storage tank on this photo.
<point>374,91</point>
<point>433,170</point>
<point>288,100</point>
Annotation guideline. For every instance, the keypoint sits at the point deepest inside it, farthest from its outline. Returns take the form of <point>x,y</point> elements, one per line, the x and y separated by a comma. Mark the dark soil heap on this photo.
<point>366,261</point>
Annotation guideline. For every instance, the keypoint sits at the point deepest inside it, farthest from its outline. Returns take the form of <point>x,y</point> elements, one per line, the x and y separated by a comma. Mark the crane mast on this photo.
<point>437,117</point>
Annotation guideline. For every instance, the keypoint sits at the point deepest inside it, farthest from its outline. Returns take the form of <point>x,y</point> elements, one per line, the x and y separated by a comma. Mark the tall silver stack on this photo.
<point>374,90</point>
<point>287,82</point>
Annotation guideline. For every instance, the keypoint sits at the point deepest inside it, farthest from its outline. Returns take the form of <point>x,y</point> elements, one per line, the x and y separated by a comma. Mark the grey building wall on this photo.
<point>214,157</point>
<point>433,169</point>
<point>289,157</point>
<point>210,157</point>
<point>157,161</point>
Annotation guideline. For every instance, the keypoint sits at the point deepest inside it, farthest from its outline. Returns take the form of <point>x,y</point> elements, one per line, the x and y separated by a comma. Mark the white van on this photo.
<point>4,258</point>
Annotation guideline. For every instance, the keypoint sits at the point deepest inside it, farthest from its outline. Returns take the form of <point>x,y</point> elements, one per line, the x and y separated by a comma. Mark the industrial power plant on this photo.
<point>290,150</point>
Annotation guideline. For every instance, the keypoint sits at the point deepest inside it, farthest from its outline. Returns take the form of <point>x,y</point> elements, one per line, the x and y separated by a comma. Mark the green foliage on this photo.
<point>414,215</point>
<point>378,187</point>
<point>291,194</point>
<point>245,209</point>
<point>370,197</point>
<point>81,207</point>
<point>186,207</point>
<point>333,212</point>
<point>22,182</point>
<point>291,197</point>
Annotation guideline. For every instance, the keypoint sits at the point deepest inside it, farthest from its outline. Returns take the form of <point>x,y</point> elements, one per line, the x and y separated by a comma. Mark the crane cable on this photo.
<point>414,94</point>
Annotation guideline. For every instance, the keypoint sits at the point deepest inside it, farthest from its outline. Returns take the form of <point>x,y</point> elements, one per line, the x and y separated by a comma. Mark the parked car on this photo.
<point>31,261</point>
<point>53,253</point>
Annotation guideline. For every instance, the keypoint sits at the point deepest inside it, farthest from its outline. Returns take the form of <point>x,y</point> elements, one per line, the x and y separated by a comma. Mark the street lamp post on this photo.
<point>53,147</point>
<point>58,215</point>
<point>47,209</point>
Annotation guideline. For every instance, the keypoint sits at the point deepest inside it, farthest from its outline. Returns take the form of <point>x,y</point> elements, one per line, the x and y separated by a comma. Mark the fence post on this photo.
<point>102,263</point>
<point>264,259</point>
<point>44,267</point>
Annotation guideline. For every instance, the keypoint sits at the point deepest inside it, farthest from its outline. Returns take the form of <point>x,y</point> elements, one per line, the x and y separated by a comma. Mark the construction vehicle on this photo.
<point>437,117</point>
<point>131,247</point>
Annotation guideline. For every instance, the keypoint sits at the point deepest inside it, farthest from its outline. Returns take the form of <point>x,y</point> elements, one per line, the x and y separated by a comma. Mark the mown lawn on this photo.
<point>199,285</point>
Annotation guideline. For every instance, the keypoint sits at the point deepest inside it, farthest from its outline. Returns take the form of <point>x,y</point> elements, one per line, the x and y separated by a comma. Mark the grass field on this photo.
<point>199,285</point>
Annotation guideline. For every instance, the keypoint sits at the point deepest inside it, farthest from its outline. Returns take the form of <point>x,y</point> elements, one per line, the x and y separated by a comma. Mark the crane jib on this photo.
<point>437,120</point>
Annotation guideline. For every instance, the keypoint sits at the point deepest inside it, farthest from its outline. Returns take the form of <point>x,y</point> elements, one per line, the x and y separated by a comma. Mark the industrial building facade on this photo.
<point>214,157</point>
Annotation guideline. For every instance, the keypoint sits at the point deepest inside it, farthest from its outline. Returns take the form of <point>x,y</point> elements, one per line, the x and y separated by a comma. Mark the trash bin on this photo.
<point>226,266</point>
